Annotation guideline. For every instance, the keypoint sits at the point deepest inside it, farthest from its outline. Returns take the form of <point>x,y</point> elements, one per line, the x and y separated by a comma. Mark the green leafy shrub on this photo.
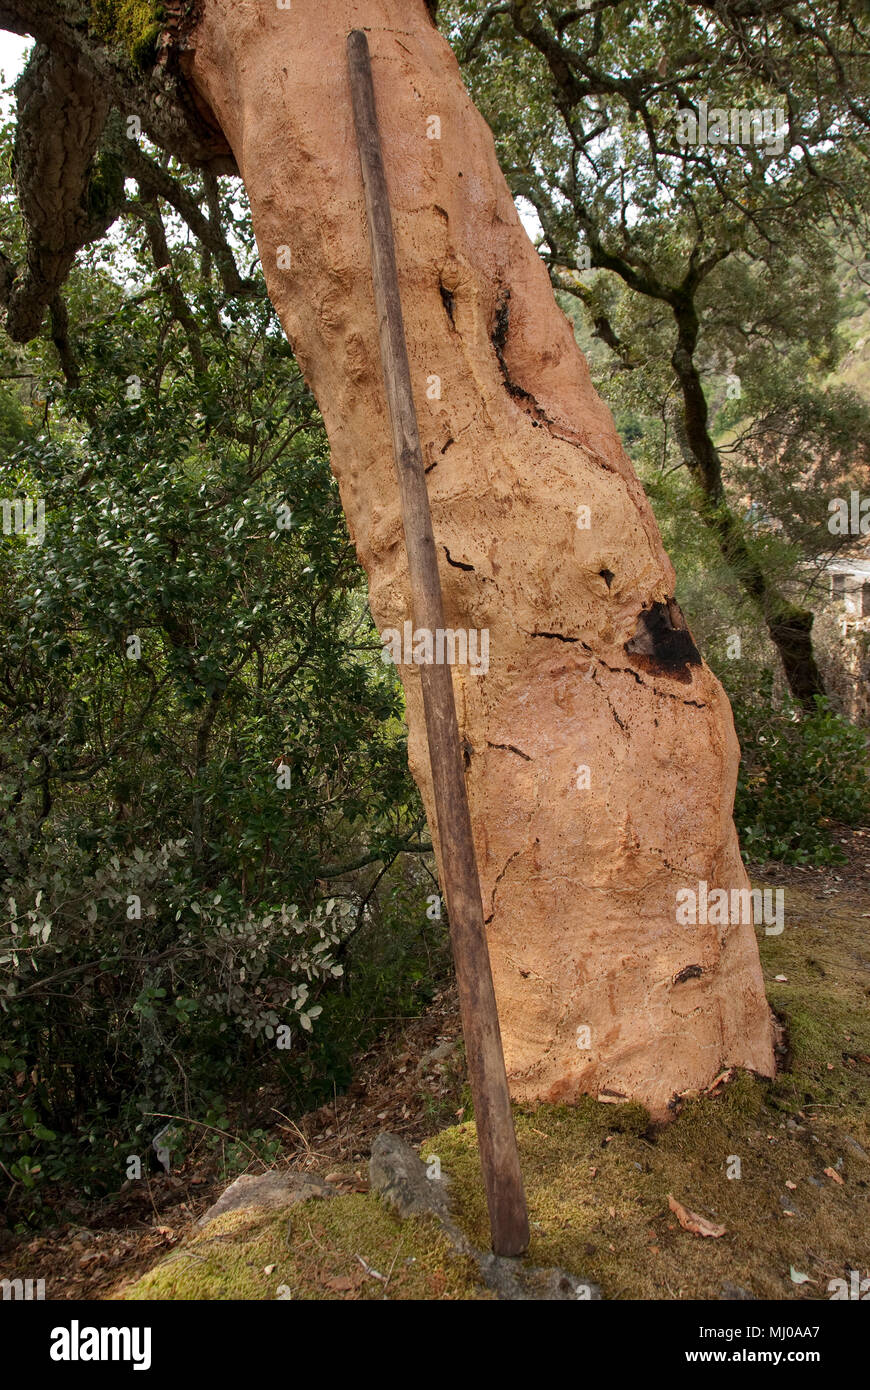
<point>203,766</point>
<point>800,775</point>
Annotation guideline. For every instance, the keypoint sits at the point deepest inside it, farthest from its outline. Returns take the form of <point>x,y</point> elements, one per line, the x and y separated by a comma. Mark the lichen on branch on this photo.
<point>136,25</point>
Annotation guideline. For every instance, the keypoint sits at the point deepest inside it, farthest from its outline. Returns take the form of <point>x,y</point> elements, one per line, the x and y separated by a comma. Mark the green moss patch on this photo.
<point>311,1252</point>
<point>134,25</point>
<point>598,1177</point>
<point>598,1197</point>
<point>824,954</point>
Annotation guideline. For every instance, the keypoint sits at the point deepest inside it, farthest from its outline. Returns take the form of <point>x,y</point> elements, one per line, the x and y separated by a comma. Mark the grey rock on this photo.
<point>272,1190</point>
<point>399,1176</point>
<point>438,1054</point>
<point>855,1148</point>
<point>730,1292</point>
<point>519,1283</point>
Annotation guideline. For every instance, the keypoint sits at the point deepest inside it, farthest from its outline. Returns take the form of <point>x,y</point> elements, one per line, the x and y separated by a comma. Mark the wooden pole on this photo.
<point>499,1158</point>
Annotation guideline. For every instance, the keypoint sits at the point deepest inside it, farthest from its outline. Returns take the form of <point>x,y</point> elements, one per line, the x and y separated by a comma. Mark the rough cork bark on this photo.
<point>591,666</point>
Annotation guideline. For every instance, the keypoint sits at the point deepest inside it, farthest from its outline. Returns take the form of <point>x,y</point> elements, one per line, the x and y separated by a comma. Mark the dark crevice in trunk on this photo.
<point>457,564</point>
<point>509,748</point>
<point>497,882</point>
<point>448,302</point>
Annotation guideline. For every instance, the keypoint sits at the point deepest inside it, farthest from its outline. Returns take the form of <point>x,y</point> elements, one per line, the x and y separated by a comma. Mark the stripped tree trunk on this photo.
<point>600,751</point>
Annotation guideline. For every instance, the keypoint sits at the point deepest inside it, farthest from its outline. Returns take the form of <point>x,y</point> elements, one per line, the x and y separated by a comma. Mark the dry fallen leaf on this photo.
<point>691,1221</point>
<point>792,1186</point>
<point>341,1284</point>
<point>832,1173</point>
<point>349,1182</point>
<point>798,1278</point>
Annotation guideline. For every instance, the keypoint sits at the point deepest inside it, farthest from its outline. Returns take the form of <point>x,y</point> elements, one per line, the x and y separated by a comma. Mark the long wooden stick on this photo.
<point>495,1129</point>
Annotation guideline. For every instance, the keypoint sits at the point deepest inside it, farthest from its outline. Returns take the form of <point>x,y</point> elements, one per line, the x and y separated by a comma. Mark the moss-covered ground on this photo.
<point>320,1250</point>
<point>598,1176</point>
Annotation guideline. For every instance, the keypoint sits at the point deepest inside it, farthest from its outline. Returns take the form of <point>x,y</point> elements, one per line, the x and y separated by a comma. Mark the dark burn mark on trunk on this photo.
<point>607,576</point>
<point>691,972</point>
<point>557,636</point>
<point>662,642</point>
<point>434,463</point>
<point>498,336</point>
<point>448,301</point>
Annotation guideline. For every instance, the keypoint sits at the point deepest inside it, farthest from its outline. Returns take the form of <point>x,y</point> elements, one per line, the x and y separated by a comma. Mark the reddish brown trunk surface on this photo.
<point>579,882</point>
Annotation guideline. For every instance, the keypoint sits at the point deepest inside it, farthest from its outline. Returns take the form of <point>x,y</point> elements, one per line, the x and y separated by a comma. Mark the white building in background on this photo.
<point>847,601</point>
<point>850,585</point>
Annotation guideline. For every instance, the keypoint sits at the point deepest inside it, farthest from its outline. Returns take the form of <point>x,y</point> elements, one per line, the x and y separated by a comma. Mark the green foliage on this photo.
<point>106,183</point>
<point>203,770</point>
<point>801,773</point>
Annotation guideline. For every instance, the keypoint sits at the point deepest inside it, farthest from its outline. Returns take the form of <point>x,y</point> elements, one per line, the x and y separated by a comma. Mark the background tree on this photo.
<point>713,259</point>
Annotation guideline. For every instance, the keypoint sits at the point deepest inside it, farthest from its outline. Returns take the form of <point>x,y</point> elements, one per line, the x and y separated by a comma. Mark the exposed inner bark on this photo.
<point>591,666</point>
